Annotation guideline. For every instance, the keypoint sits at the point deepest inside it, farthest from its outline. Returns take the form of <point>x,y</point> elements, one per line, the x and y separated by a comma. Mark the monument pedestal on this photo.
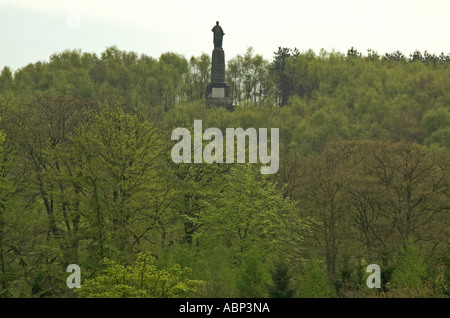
<point>218,95</point>
<point>218,91</point>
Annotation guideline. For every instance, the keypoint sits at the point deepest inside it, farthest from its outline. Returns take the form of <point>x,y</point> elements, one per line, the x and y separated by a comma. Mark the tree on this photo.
<point>323,198</point>
<point>314,281</point>
<point>246,222</point>
<point>249,77</point>
<point>40,131</point>
<point>282,281</point>
<point>415,189</point>
<point>140,280</point>
<point>115,158</point>
<point>410,270</point>
<point>246,214</point>
<point>283,83</point>
<point>171,73</point>
<point>6,191</point>
<point>6,79</point>
<point>37,136</point>
<point>198,76</point>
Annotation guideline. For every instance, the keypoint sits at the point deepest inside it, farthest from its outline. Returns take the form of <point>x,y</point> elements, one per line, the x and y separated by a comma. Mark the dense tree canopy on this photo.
<point>86,177</point>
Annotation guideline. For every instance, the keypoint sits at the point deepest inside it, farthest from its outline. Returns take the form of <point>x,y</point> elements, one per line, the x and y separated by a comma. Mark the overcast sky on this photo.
<point>31,31</point>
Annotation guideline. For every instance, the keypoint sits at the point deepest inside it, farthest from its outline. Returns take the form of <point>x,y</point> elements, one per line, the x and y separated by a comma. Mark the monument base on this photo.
<point>219,102</point>
<point>218,95</point>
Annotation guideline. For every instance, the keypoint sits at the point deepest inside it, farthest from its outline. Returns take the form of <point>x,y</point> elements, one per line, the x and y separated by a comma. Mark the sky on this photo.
<point>31,31</point>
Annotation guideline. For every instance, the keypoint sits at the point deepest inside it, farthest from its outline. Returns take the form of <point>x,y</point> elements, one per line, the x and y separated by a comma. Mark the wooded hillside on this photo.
<point>86,177</point>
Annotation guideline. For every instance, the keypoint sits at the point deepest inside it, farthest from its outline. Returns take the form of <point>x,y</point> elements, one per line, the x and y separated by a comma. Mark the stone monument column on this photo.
<point>218,91</point>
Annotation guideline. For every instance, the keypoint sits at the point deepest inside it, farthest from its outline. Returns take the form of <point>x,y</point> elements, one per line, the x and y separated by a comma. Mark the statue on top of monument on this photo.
<point>218,35</point>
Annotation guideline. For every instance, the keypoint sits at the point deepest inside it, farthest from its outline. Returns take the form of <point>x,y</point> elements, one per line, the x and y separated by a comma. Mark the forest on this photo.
<point>86,177</point>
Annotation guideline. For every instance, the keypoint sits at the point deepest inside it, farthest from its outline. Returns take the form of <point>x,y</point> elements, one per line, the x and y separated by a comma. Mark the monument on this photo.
<point>218,91</point>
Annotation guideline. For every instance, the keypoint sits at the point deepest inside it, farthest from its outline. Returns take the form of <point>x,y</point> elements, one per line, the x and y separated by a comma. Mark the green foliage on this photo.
<point>86,173</point>
<point>245,214</point>
<point>253,278</point>
<point>434,120</point>
<point>353,276</point>
<point>141,279</point>
<point>281,286</point>
<point>117,160</point>
<point>314,282</point>
<point>410,270</point>
<point>249,78</point>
